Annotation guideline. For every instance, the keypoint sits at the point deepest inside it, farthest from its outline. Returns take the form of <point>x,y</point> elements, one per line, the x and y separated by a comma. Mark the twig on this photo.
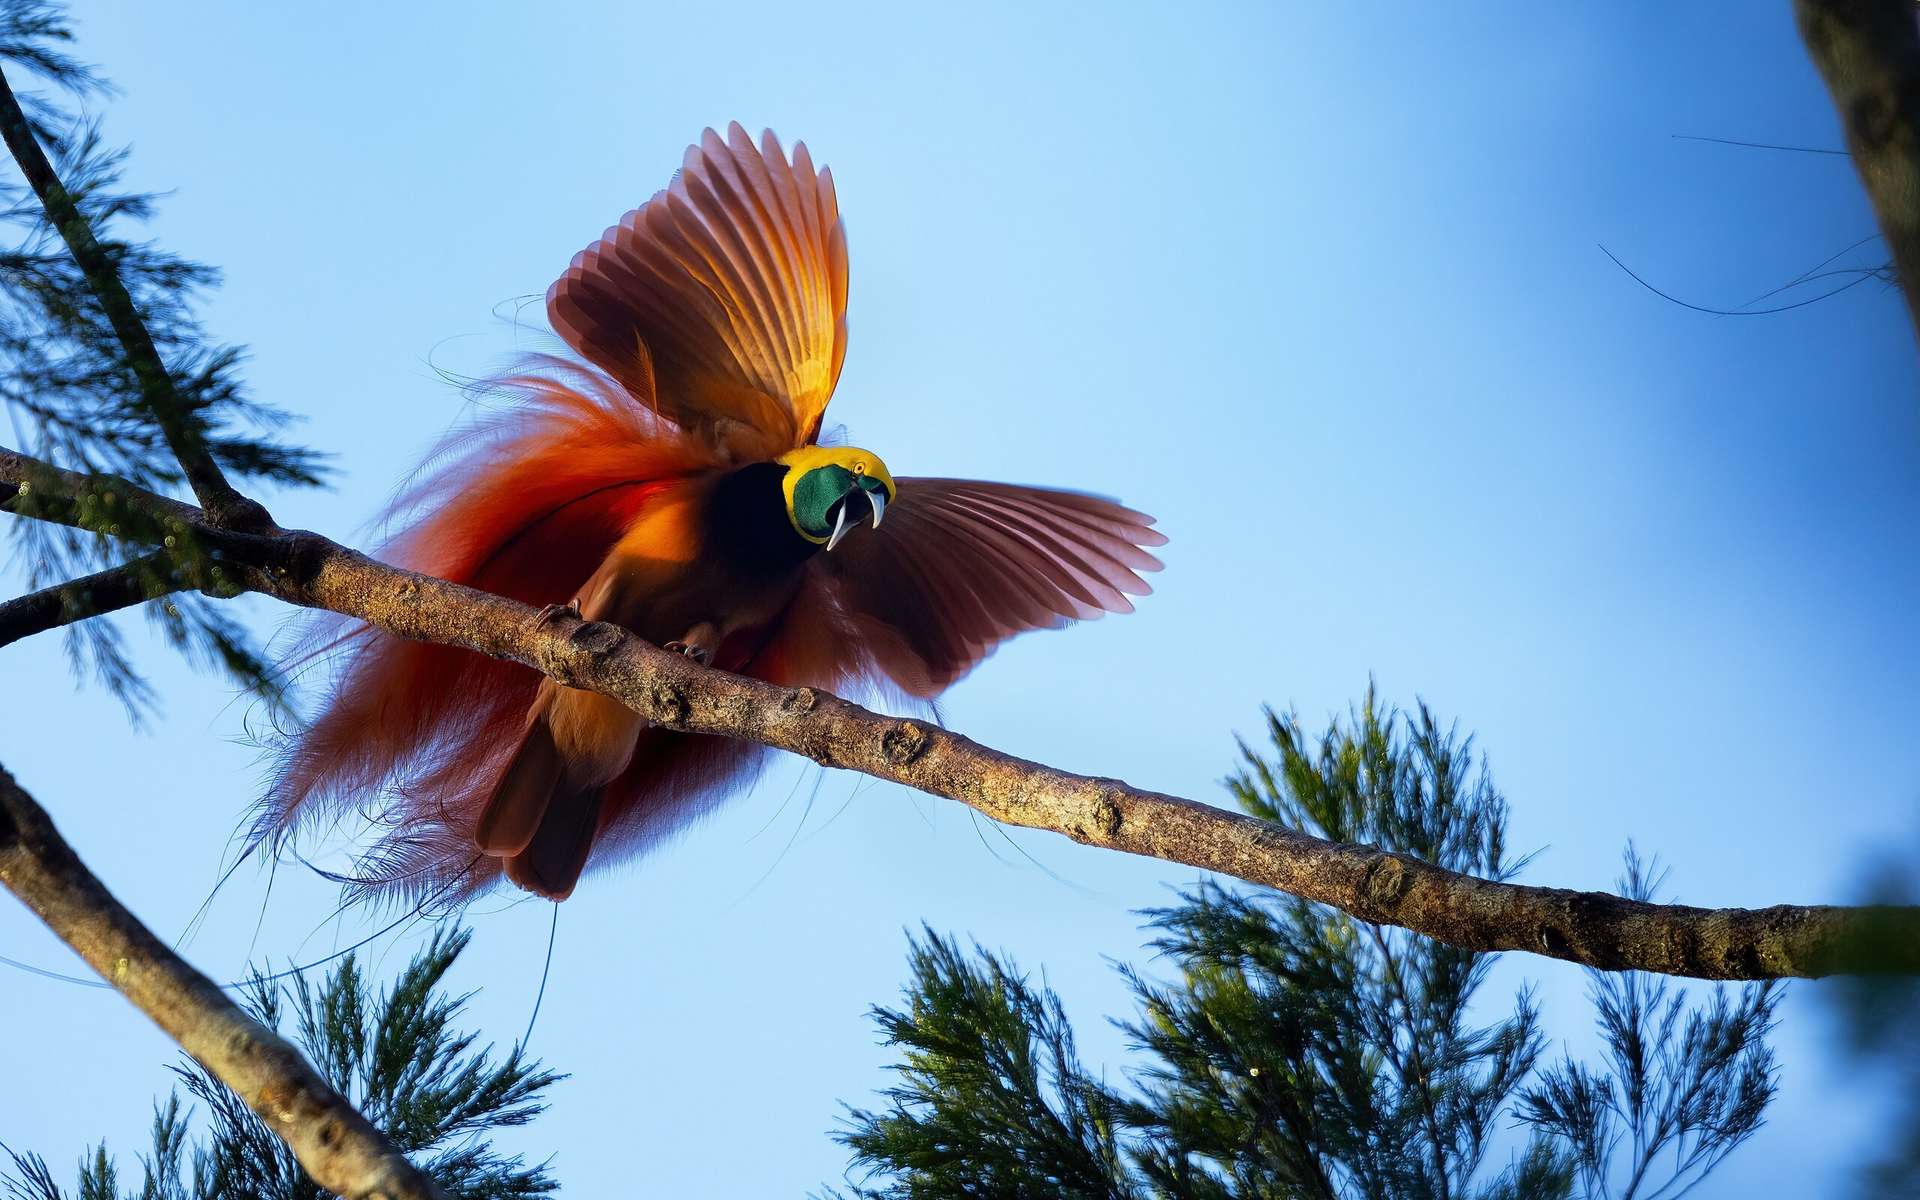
<point>146,578</point>
<point>225,507</point>
<point>1868,51</point>
<point>19,473</point>
<point>338,1146</point>
<point>1860,277</point>
<point>1694,137</point>
<point>1592,928</point>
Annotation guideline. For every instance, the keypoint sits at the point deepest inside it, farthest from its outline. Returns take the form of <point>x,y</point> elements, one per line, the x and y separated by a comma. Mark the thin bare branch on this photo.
<point>1592,928</point>
<point>146,578</point>
<point>338,1146</point>
<point>1720,141</point>
<point>1868,51</point>
<point>225,507</point>
<point>20,473</point>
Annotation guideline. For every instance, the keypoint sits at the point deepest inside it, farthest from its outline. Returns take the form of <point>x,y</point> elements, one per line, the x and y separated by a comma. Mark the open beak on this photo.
<point>840,525</point>
<point>844,521</point>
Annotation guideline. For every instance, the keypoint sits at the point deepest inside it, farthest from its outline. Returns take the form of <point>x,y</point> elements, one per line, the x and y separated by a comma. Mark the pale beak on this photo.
<point>879,502</point>
<point>840,527</point>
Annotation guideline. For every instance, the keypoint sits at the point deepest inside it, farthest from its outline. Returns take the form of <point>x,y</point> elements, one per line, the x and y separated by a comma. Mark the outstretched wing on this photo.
<point>957,567</point>
<point>721,301</point>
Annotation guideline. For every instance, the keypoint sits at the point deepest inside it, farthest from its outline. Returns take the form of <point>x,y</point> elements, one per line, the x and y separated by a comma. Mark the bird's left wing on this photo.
<point>959,566</point>
<point>722,301</point>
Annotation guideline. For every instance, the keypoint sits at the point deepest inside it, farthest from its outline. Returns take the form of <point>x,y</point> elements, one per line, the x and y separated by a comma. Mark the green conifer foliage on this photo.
<point>1298,1052</point>
<point>1681,1087</point>
<point>397,1056</point>
<point>76,395</point>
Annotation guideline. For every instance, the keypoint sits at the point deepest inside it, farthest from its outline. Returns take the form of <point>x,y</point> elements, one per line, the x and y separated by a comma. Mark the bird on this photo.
<point>669,475</point>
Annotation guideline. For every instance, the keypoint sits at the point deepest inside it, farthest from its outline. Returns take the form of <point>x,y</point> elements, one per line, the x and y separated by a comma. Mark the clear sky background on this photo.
<point>1317,285</point>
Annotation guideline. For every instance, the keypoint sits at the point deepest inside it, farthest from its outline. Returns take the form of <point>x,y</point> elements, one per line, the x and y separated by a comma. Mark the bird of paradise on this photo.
<point>673,483</point>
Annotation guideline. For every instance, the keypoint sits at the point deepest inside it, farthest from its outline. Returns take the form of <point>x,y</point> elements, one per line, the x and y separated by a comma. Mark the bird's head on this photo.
<point>831,489</point>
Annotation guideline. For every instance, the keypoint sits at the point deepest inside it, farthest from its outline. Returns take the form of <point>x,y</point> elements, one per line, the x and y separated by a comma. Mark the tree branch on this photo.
<point>338,1147</point>
<point>225,507</point>
<point>146,578</point>
<point>1595,929</point>
<point>20,474</point>
<point>1868,51</point>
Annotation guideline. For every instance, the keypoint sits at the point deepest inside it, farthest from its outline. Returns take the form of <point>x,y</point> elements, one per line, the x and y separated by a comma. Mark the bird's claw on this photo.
<point>699,654</point>
<point>550,613</point>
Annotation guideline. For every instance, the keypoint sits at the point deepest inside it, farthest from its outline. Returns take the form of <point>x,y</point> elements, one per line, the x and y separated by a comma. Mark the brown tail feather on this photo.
<point>538,819</point>
<point>551,863</point>
<point>519,801</point>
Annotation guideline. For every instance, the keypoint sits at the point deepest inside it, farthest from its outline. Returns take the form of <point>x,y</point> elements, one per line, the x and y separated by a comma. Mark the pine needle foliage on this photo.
<point>992,1099</point>
<point>398,1056</point>
<point>74,394</point>
<point>1299,1052</point>
<point>1683,1084</point>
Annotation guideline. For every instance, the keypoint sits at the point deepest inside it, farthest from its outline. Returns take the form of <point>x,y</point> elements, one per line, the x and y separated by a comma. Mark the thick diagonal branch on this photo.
<point>1868,51</point>
<point>225,507</point>
<point>338,1146</point>
<point>1592,928</point>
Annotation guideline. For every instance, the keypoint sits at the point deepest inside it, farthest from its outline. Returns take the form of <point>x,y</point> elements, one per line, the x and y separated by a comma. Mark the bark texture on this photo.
<point>89,596</point>
<point>1591,928</point>
<point>1868,51</point>
<point>338,1147</point>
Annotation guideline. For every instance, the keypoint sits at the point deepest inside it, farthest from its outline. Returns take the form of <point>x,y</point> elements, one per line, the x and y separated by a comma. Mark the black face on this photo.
<point>748,522</point>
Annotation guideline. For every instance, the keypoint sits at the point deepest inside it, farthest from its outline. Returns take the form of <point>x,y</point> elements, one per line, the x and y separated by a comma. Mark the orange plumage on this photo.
<point>672,484</point>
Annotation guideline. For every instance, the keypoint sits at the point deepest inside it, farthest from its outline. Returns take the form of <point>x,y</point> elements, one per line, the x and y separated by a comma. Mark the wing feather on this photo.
<point>765,235</point>
<point>1098,513</point>
<point>721,302</point>
<point>959,566</point>
<point>1031,598</point>
<point>1097,552</point>
<point>1089,579</point>
<point>1061,589</point>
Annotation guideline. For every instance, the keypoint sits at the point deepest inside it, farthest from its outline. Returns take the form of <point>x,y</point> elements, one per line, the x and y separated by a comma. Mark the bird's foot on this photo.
<point>700,654</point>
<point>697,643</point>
<point>550,613</point>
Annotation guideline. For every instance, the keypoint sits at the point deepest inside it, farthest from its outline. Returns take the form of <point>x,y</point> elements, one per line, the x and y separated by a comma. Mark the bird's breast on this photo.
<point>714,549</point>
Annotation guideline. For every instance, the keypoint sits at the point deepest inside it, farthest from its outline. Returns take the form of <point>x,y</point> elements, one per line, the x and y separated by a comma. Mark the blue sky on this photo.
<point>1317,285</point>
